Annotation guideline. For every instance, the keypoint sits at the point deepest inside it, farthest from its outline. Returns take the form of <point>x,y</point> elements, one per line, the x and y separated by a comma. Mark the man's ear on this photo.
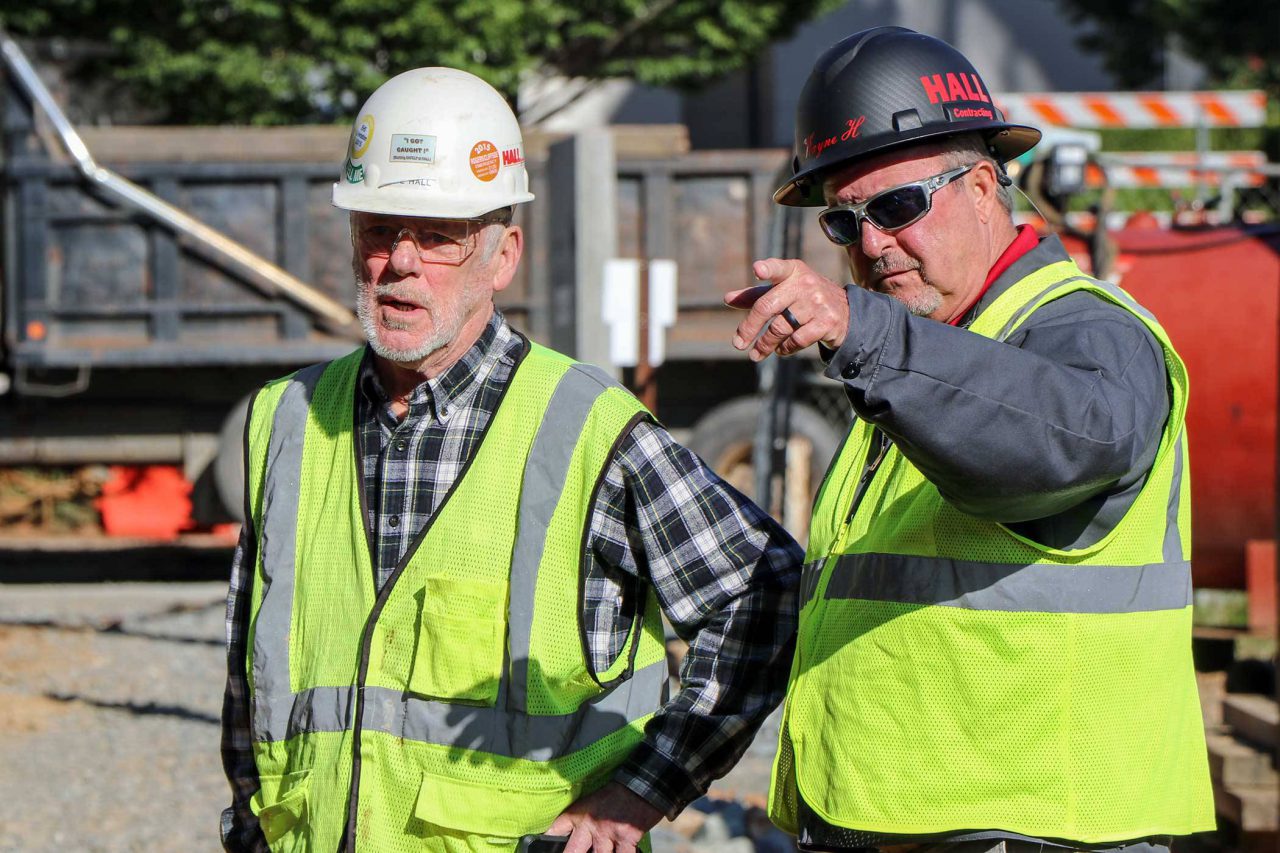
<point>985,188</point>
<point>507,257</point>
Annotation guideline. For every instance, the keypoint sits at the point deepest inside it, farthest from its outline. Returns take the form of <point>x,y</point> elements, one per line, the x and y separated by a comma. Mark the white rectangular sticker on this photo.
<point>411,148</point>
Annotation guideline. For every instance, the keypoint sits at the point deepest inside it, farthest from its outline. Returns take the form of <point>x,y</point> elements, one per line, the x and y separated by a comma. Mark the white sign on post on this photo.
<point>620,308</point>
<point>662,306</point>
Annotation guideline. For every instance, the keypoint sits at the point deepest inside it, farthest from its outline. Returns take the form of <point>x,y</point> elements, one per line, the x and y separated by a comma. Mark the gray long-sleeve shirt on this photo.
<point>1052,431</point>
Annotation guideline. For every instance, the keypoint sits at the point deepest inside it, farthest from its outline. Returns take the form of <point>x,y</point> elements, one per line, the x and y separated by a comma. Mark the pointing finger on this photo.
<point>774,269</point>
<point>746,297</point>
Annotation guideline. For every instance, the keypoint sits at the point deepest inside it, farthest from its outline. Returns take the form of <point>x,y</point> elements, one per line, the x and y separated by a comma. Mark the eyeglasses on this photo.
<point>890,210</point>
<point>438,241</point>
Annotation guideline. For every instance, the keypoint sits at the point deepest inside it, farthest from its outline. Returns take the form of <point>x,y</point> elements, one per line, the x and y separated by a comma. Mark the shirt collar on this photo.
<point>1042,251</point>
<point>453,388</point>
<point>1024,240</point>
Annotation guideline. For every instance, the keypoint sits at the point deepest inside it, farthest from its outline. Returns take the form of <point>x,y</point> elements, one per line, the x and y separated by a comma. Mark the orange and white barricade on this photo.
<point>1239,108</point>
<point>1166,169</point>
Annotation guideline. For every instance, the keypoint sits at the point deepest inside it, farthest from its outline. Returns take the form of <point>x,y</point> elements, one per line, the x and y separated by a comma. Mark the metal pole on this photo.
<point>646,378</point>
<point>1202,149</point>
<point>595,225</point>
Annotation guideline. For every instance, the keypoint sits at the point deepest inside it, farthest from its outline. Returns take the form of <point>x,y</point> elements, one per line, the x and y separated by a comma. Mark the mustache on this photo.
<point>401,293</point>
<point>889,264</point>
<point>397,290</point>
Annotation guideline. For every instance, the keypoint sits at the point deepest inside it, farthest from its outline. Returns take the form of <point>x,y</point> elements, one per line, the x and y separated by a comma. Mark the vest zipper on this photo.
<point>880,444</point>
<point>347,844</point>
<point>876,452</point>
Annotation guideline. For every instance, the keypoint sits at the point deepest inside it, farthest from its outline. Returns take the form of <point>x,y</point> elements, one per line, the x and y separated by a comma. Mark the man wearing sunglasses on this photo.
<point>994,646</point>
<point>446,614</point>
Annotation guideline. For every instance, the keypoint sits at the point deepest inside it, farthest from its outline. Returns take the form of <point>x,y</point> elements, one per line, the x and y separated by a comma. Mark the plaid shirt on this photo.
<point>724,572</point>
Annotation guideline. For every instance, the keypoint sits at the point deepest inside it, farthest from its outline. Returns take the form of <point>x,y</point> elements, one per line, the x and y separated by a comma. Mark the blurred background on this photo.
<point>168,245</point>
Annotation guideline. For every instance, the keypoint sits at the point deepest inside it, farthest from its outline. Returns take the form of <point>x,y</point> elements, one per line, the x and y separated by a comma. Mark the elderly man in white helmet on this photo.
<point>445,620</point>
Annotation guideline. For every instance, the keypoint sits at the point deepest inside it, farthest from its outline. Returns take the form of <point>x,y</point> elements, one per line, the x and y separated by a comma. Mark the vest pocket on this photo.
<point>460,641</point>
<point>506,810</point>
<point>281,804</point>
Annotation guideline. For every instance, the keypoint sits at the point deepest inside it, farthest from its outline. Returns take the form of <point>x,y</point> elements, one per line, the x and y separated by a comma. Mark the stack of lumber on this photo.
<point>1246,787</point>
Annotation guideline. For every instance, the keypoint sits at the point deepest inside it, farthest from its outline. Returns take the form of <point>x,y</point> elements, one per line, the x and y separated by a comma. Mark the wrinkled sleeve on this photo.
<point>1070,406</point>
<point>725,575</point>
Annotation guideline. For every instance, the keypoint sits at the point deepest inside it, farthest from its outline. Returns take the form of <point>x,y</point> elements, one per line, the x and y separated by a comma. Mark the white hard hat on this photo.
<point>434,142</point>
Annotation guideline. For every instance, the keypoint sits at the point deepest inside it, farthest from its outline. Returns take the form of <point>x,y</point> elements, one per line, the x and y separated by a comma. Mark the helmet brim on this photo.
<point>805,188</point>
<point>411,202</point>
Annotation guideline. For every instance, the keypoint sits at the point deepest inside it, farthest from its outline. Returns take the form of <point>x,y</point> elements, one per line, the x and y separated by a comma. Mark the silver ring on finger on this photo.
<point>791,318</point>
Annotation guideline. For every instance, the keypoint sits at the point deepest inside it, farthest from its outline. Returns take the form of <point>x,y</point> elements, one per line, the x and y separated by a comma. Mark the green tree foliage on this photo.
<point>290,61</point>
<point>1237,41</point>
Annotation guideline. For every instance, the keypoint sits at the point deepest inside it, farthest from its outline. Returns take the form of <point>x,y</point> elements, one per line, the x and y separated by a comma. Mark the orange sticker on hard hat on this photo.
<point>484,161</point>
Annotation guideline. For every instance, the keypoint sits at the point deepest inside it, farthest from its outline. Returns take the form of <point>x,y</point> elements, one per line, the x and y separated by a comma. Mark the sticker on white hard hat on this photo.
<point>484,161</point>
<point>513,156</point>
<point>413,148</point>
<point>362,136</point>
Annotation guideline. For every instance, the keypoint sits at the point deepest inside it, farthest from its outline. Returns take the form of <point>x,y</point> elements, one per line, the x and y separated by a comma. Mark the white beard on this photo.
<point>445,326</point>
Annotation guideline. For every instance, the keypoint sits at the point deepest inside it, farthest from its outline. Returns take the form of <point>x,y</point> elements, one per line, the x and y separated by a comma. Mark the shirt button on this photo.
<point>402,445</point>
<point>851,370</point>
<point>393,521</point>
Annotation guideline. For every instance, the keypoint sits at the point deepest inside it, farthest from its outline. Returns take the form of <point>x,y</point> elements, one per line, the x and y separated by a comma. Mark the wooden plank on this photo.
<point>320,143</point>
<point>1253,718</point>
<point>302,144</point>
<point>1250,809</point>
<point>1217,648</point>
<point>642,141</point>
<point>1233,763</point>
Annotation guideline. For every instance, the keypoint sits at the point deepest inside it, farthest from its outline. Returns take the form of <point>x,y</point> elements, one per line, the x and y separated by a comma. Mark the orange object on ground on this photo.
<point>151,501</point>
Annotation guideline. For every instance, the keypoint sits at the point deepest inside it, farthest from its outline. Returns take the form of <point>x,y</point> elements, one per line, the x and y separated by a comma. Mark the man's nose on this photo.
<point>405,256</point>
<point>872,241</point>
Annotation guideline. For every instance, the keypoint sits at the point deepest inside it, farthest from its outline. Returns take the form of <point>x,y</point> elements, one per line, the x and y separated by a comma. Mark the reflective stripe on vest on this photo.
<point>544,478</point>
<point>493,730</point>
<point>972,585</point>
<point>1033,588</point>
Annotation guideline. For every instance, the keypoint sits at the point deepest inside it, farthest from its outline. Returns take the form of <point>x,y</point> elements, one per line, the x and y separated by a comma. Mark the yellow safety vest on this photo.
<point>953,675</point>
<point>455,709</point>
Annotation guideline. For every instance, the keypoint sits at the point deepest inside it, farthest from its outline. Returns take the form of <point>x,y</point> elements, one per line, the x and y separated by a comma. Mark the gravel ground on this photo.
<point>109,704</point>
<point>110,696</point>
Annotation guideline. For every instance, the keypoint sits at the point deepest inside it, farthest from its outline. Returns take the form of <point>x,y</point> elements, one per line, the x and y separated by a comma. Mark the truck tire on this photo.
<point>724,438</point>
<point>228,465</point>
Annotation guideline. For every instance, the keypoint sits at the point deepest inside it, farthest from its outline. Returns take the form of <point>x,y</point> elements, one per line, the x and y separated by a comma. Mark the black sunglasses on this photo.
<point>890,210</point>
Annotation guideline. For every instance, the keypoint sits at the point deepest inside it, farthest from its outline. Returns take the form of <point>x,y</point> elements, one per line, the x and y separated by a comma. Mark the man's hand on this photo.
<point>610,820</point>
<point>817,304</point>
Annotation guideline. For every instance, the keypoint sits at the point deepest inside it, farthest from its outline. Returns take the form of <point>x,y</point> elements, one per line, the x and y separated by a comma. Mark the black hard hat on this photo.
<point>884,88</point>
